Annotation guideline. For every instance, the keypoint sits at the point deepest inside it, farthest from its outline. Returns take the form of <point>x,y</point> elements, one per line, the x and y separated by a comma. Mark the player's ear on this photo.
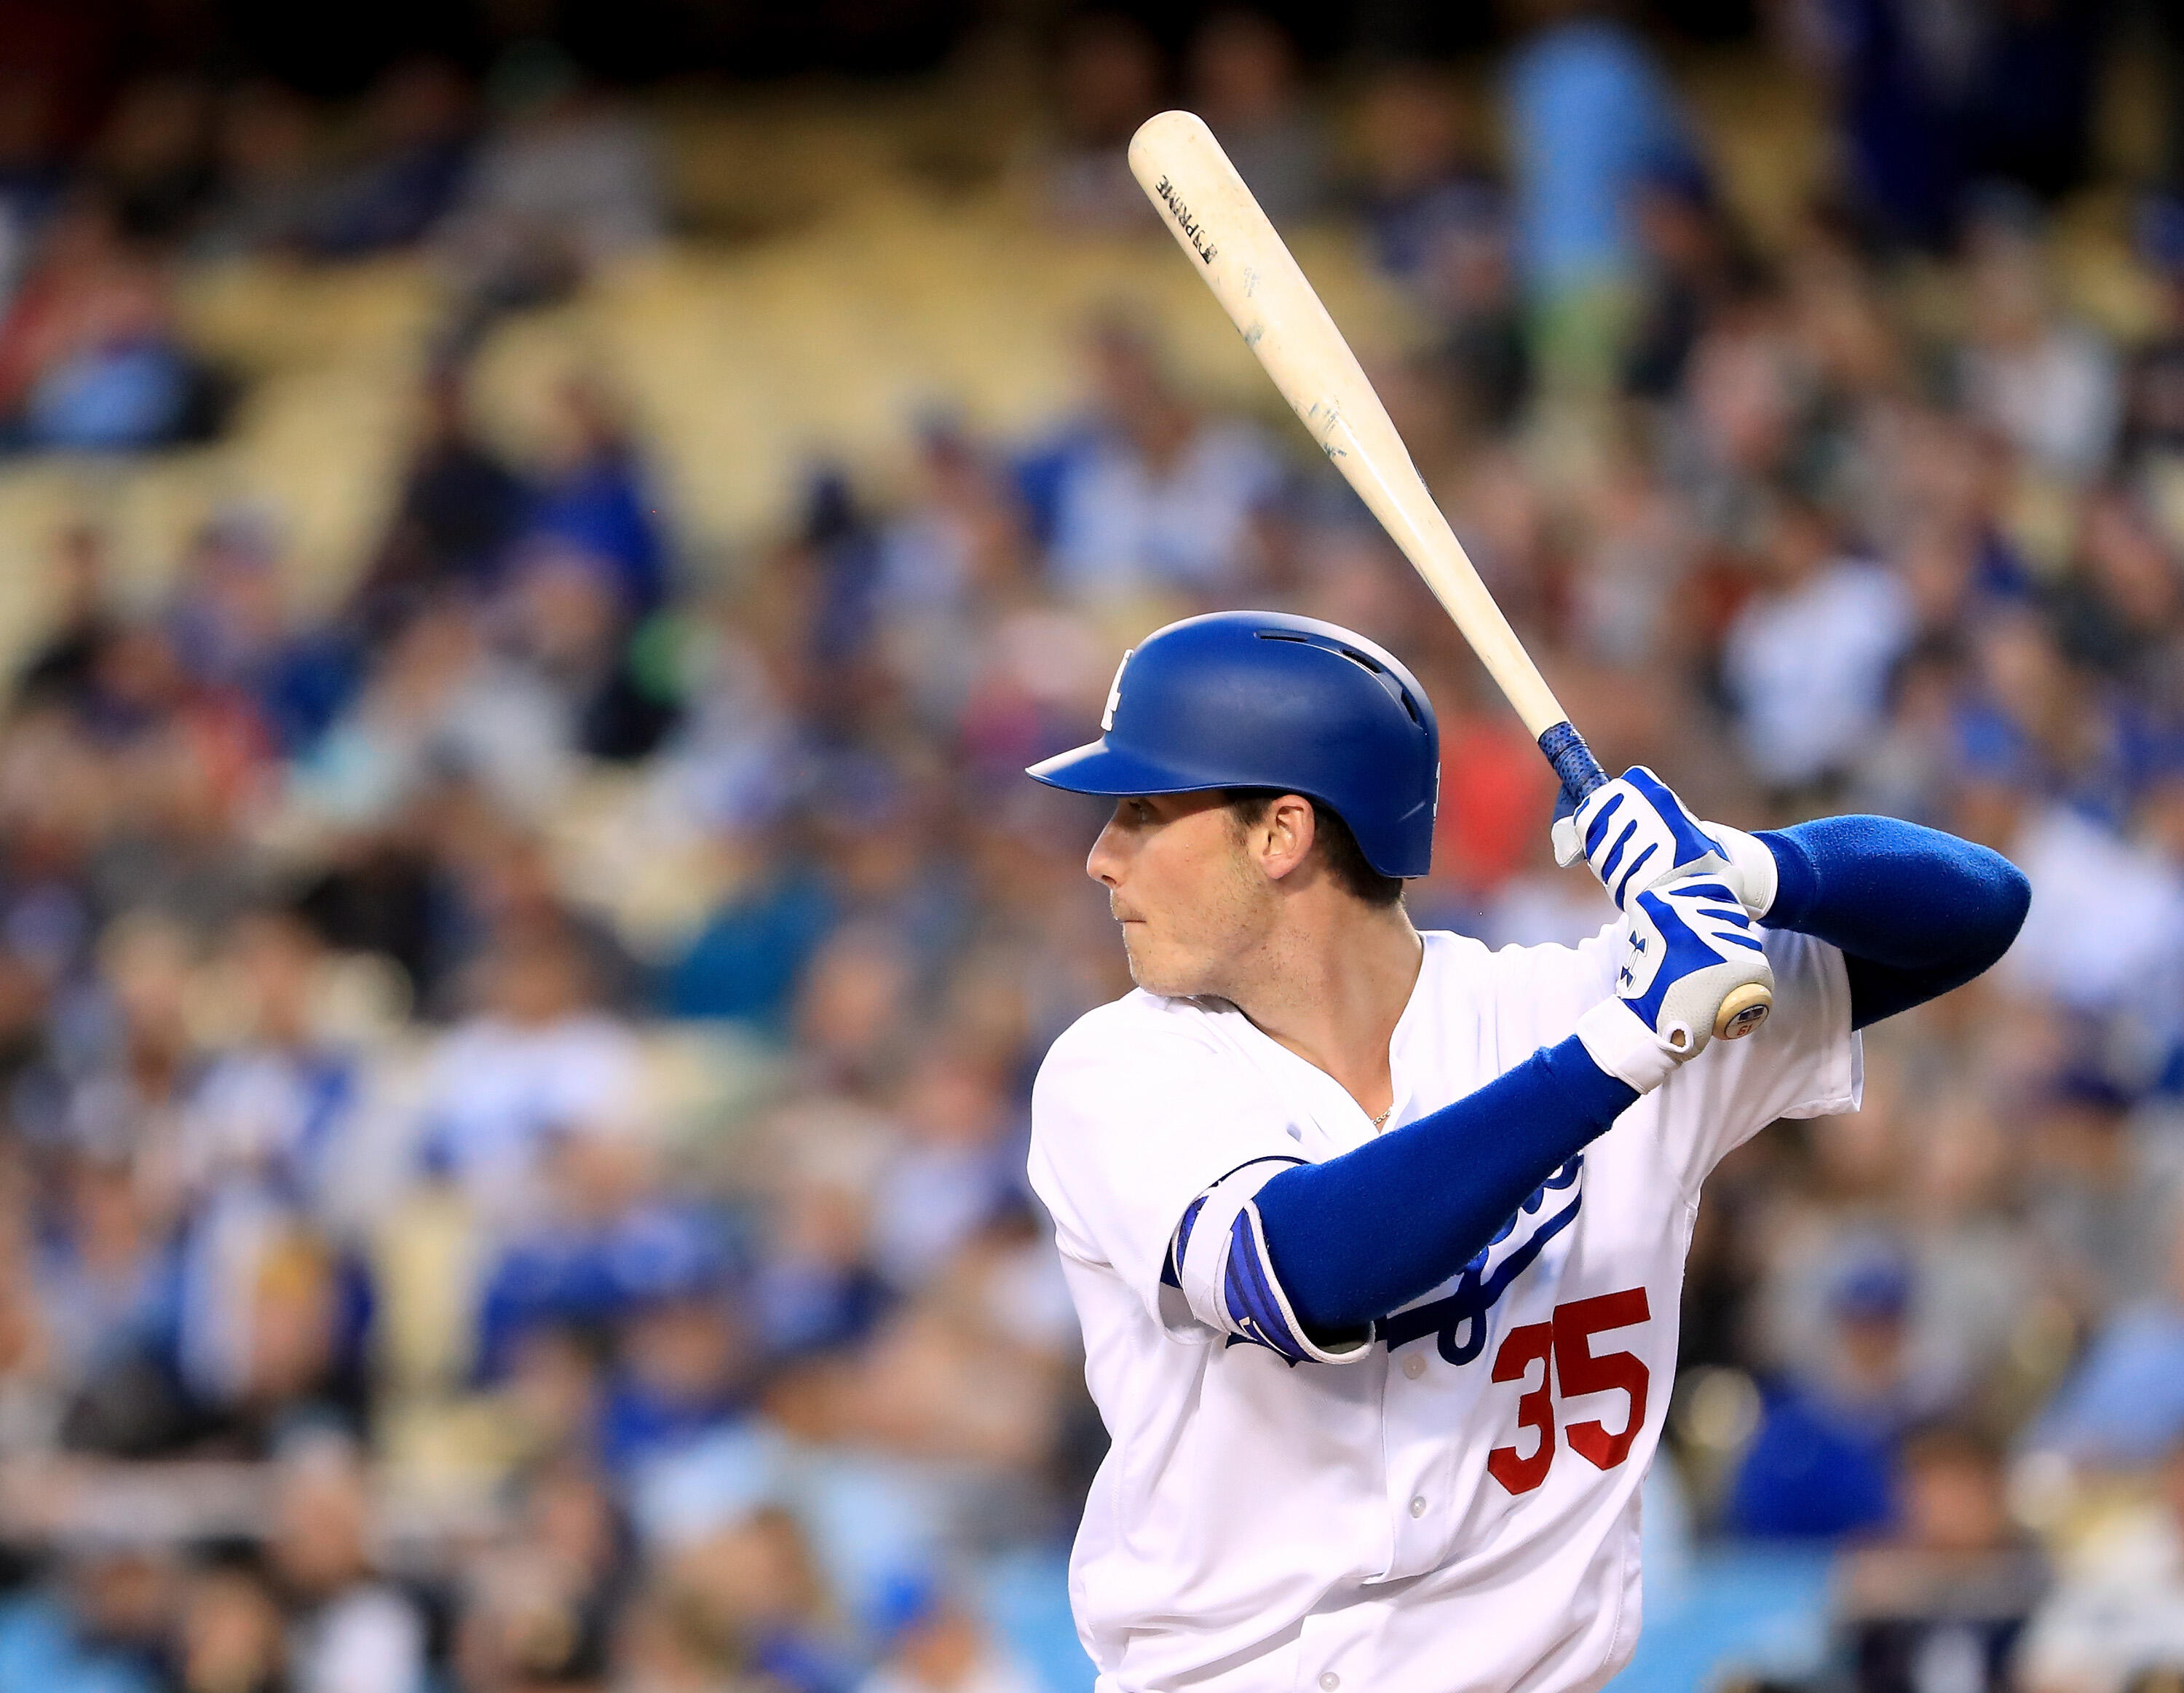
<point>1283,838</point>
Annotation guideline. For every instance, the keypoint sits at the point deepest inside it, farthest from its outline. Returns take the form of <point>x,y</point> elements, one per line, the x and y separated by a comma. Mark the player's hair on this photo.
<point>1331,839</point>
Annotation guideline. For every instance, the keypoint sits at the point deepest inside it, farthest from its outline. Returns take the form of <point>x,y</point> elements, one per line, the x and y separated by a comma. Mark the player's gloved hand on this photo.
<point>1636,833</point>
<point>1692,972</point>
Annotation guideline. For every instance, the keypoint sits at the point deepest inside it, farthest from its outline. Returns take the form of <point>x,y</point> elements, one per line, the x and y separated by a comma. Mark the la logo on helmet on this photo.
<point>1115,694</point>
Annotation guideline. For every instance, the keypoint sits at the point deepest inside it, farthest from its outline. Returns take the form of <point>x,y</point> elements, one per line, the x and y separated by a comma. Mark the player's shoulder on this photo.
<point>1138,1042</point>
<point>1139,1027</point>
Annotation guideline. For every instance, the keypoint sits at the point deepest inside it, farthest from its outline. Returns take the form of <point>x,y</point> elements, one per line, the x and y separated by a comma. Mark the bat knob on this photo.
<point>1742,1010</point>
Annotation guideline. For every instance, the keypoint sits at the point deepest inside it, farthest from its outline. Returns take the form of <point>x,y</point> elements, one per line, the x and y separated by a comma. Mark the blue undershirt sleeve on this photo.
<point>1915,911</point>
<point>1359,1236</point>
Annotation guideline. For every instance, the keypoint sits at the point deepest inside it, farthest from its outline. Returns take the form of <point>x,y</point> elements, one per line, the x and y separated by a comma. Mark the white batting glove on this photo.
<point>1637,834</point>
<point>1691,961</point>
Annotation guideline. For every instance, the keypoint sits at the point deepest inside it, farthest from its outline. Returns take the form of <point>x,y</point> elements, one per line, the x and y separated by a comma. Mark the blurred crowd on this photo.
<point>515,1086</point>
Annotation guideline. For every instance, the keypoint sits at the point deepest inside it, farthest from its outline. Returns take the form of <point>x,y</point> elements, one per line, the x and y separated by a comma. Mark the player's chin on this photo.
<point>1156,970</point>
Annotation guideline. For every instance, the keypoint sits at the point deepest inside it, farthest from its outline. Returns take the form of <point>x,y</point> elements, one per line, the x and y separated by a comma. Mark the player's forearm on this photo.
<point>1362,1235</point>
<point>1915,911</point>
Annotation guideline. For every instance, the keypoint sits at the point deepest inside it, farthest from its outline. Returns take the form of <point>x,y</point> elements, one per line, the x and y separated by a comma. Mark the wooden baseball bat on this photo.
<point>1234,247</point>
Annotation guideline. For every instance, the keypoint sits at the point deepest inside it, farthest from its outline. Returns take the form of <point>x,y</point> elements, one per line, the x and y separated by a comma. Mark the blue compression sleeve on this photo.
<point>1915,911</point>
<point>1355,1237</point>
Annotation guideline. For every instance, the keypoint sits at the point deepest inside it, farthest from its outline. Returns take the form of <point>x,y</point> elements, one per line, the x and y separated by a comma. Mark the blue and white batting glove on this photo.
<point>1636,833</point>
<point>1690,957</point>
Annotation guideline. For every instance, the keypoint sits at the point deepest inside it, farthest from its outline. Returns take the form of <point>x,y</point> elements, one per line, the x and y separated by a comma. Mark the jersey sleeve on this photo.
<point>1132,1122</point>
<point>1804,1061</point>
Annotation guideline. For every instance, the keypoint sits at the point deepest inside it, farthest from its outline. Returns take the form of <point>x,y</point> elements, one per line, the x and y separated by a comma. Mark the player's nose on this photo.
<point>1104,863</point>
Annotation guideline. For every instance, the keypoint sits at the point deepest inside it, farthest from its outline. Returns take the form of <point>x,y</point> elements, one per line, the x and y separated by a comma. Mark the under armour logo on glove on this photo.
<point>1690,960</point>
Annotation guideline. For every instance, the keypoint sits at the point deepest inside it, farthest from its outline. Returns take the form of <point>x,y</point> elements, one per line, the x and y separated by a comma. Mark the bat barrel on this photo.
<point>1239,255</point>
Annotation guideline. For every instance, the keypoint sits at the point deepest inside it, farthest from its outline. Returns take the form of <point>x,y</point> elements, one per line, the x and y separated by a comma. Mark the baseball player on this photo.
<point>1377,1238</point>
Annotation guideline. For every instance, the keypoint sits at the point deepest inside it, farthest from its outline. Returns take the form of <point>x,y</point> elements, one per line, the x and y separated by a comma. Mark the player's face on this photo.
<point>1192,904</point>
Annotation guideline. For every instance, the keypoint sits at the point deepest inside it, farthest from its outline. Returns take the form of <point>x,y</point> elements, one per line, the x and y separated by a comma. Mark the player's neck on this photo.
<point>1331,986</point>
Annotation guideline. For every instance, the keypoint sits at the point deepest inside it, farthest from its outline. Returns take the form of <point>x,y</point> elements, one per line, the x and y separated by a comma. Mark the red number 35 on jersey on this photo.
<point>1563,1348</point>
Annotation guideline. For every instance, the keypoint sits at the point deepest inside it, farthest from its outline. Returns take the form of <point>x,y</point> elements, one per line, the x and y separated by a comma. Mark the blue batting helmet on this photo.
<point>1264,700</point>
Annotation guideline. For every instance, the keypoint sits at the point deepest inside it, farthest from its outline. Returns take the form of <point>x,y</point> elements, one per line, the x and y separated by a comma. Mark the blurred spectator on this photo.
<point>1823,1464</point>
<point>2123,1406</point>
<point>234,634</point>
<point>939,1647</point>
<point>2104,911</point>
<point>565,182</point>
<point>106,1285</point>
<point>1107,76</point>
<point>592,502</point>
<point>1898,83</point>
<point>817,1287</point>
<point>853,1012</point>
<point>2101,1210</point>
<point>153,161</point>
<point>947,564</point>
<point>1693,266</point>
<point>682,1364</point>
<point>747,960</point>
<point>1151,498</point>
<point>1930,107</point>
<point>1979,1278</point>
<point>1590,114</point>
<point>602,1241</point>
<point>1244,83</point>
<point>1946,1597</point>
<point>266,149</point>
<point>2153,391</point>
<point>563,624</point>
<point>89,356</point>
<point>753,1590</point>
<point>457,512</point>
<point>535,1059</point>
<point>412,165</point>
<point>273,1333</point>
<point>1421,194</point>
<point>441,706</point>
<point>231,1638</point>
<point>2048,387</point>
<point>98,1630</point>
<point>1806,661</point>
<point>348,1630</point>
<point>274,1111</point>
<point>60,669</point>
<point>2119,1609</point>
<point>2121,603</point>
<point>951,1175</point>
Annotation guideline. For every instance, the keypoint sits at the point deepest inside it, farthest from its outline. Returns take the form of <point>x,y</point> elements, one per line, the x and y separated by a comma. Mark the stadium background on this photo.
<point>535,541</point>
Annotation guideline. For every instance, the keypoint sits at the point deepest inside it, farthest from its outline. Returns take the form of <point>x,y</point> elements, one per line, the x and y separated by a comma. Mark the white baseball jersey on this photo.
<point>1452,1508</point>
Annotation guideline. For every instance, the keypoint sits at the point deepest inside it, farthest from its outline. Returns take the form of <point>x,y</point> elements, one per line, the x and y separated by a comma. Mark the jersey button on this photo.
<point>1415,1366</point>
<point>1418,1506</point>
<point>1329,1682</point>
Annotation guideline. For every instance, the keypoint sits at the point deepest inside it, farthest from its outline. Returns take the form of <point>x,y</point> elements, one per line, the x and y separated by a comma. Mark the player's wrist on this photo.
<point>1623,1046</point>
<point>1753,870</point>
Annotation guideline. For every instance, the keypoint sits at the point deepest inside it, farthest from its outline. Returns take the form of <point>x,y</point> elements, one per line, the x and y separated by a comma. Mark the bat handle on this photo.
<point>1574,762</point>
